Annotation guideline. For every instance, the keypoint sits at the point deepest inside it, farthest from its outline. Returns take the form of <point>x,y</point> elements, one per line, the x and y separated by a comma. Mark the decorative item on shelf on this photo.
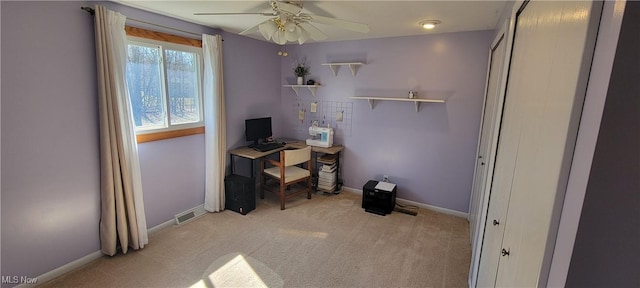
<point>311,82</point>
<point>300,69</point>
<point>412,94</point>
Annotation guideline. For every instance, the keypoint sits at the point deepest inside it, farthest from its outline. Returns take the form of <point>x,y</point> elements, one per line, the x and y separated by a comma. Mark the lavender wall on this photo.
<point>251,74</point>
<point>50,188</point>
<point>429,154</point>
<point>172,177</point>
<point>50,175</point>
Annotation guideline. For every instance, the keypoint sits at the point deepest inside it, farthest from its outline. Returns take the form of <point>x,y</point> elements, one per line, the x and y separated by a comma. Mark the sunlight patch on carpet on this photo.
<point>239,270</point>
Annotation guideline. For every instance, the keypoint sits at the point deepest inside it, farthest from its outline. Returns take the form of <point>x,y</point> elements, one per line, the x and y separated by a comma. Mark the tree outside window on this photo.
<point>157,78</point>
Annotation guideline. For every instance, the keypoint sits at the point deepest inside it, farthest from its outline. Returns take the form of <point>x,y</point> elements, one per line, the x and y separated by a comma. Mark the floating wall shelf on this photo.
<point>296,88</point>
<point>417,101</point>
<point>336,66</point>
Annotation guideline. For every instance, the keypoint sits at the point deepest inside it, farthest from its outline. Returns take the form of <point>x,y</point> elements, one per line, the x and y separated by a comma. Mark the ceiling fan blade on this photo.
<point>313,32</point>
<point>236,13</point>
<point>250,30</point>
<point>288,7</point>
<point>344,24</point>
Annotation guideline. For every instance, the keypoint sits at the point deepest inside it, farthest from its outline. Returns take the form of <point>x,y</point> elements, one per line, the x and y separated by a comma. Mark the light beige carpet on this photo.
<point>328,241</point>
<point>239,270</point>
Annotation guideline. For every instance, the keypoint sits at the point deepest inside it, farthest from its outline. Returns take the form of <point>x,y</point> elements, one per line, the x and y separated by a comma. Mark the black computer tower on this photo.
<point>378,201</point>
<point>240,195</point>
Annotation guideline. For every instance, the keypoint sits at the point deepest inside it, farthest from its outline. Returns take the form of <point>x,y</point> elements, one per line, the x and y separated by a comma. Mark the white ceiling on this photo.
<point>385,18</point>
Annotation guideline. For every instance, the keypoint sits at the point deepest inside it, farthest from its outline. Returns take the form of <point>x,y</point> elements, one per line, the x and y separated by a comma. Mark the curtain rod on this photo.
<point>93,12</point>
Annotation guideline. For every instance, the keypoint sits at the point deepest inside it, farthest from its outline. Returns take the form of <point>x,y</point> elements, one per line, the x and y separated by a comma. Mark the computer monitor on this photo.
<point>257,129</point>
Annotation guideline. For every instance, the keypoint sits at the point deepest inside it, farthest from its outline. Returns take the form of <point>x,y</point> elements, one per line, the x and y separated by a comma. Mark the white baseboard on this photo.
<point>64,269</point>
<point>418,204</point>
<point>85,260</point>
<point>161,226</point>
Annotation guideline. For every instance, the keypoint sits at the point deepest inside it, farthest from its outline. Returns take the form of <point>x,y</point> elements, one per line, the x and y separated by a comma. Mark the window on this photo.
<point>164,83</point>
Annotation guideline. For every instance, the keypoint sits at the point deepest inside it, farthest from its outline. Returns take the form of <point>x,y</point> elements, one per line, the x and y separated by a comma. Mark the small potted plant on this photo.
<point>300,69</point>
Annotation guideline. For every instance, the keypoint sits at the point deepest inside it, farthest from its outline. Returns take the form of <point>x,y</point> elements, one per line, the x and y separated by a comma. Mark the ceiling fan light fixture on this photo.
<point>279,37</point>
<point>280,23</point>
<point>429,24</point>
<point>292,35</point>
<point>289,24</point>
<point>267,29</point>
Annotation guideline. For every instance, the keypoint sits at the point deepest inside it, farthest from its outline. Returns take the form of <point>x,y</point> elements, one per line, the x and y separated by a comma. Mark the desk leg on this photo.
<point>315,171</point>
<point>253,172</point>
<point>338,179</point>
<point>233,164</point>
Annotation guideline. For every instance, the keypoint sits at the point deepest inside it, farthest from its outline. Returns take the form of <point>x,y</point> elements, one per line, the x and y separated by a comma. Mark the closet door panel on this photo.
<point>501,184</point>
<point>485,145</point>
<point>552,52</point>
<point>486,156</point>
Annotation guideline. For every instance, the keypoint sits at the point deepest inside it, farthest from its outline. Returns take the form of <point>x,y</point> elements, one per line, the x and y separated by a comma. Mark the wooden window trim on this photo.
<point>155,35</point>
<point>149,137</point>
<point>160,36</point>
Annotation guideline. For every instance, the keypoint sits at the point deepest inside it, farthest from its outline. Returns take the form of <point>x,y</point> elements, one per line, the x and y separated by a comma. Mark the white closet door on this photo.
<point>486,133</point>
<point>547,81</point>
<point>500,188</point>
<point>486,148</point>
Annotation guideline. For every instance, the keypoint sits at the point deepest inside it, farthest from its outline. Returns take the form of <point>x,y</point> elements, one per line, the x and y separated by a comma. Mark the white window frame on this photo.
<point>162,45</point>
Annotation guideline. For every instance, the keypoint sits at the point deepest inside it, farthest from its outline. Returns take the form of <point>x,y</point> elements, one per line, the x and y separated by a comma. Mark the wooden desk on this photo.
<point>335,149</point>
<point>249,153</point>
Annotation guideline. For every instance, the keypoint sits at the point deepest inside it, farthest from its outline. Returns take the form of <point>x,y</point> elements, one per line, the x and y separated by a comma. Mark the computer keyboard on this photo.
<point>267,146</point>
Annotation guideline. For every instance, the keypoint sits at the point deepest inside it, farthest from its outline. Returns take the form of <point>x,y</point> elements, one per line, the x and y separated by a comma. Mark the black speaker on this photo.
<point>240,195</point>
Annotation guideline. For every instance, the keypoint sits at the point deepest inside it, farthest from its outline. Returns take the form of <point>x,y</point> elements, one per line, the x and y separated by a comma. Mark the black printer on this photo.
<point>379,197</point>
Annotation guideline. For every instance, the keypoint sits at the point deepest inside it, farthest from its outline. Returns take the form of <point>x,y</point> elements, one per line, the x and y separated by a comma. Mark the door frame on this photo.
<point>505,36</point>
<point>597,87</point>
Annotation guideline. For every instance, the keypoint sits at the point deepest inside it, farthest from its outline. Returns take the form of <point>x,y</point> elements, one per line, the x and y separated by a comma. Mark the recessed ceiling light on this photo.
<point>429,24</point>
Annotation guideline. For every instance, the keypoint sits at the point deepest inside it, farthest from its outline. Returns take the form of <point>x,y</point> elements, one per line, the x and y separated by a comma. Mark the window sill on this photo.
<point>150,137</point>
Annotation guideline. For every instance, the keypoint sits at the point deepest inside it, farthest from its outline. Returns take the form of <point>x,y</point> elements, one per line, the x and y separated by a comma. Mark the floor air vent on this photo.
<point>190,214</point>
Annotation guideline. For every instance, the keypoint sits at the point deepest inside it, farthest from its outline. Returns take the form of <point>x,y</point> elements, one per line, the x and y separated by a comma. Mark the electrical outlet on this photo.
<point>385,178</point>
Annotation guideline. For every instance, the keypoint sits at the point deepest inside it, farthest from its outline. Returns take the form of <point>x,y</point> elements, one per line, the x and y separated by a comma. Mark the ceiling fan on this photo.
<point>289,23</point>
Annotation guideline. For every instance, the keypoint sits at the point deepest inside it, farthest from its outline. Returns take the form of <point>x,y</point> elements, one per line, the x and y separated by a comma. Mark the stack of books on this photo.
<point>327,174</point>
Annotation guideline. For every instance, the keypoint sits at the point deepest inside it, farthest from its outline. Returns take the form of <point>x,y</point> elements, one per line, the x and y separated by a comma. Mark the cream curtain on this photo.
<point>214,123</point>
<point>122,221</point>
